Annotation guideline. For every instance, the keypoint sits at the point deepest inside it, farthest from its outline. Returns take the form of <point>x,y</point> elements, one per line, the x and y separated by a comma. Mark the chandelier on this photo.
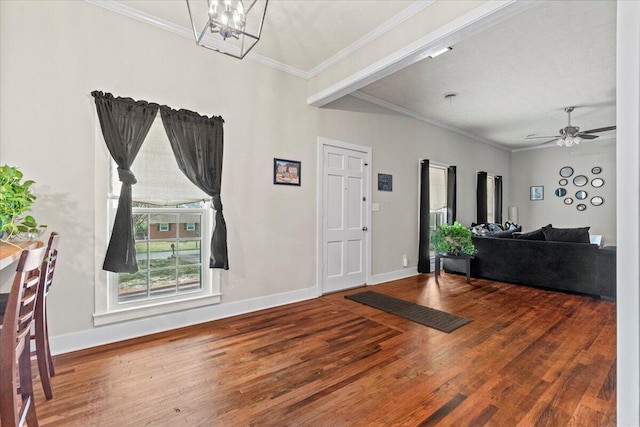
<point>228,26</point>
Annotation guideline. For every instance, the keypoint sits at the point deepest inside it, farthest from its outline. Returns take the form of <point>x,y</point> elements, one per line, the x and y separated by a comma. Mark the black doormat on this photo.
<point>427,316</point>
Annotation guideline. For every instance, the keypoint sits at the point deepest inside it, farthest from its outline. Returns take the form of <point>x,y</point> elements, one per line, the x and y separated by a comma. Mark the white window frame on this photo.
<point>107,310</point>
<point>190,226</point>
<point>444,168</point>
<point>164,226</point>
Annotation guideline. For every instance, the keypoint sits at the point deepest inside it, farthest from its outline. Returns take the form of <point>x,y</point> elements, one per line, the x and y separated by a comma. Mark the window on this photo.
<point>172,225</point>
<point>437,199</point>
<point>491,198</point>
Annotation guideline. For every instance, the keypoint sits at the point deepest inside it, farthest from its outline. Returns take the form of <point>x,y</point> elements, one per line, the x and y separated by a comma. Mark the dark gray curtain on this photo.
<point>424,259</point>
<point>125,124</point>
<point>497,208</point>
<point>481,198</point>
<point>451,194</point>
<point>197,143</point>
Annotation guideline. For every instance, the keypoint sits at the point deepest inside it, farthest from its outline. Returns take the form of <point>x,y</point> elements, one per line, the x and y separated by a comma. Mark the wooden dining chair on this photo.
<point>41,336</point>
<point>16,387</point>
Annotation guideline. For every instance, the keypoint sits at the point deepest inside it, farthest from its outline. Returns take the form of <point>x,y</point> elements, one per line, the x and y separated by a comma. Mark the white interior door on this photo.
<point>344,218</point>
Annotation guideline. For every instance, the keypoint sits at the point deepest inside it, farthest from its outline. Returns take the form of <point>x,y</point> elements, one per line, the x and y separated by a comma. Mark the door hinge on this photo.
<point>366,164</point>
<point>364,228</point>
<point>364,199</point>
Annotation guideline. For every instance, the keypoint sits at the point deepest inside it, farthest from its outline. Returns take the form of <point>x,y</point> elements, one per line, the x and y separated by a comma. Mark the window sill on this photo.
<point>131,313</point>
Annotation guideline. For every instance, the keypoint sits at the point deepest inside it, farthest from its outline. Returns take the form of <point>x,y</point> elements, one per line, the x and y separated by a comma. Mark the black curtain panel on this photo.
<point>451,194</point>
<point>481,198</point>
<point>125,124</point>
<point>197,143</point>
<point>497,208</point>
<point>424,260</point>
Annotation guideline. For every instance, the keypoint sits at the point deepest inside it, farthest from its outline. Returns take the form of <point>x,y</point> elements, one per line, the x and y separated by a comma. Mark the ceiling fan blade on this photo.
<point>551,140</point>
<point>599,129</point>
<point>585,136</point>
<point>537,137</point>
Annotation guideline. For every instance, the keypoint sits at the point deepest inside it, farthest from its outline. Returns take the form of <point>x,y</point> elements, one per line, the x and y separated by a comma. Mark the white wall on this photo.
<point>542,167</point>
<point>398,143</point>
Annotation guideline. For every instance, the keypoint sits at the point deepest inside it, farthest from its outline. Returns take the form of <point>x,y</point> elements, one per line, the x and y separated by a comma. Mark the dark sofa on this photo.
<point>574,267</point>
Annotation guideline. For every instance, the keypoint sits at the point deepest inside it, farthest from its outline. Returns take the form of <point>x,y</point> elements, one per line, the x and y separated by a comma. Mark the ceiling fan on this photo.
<point>572,135</point>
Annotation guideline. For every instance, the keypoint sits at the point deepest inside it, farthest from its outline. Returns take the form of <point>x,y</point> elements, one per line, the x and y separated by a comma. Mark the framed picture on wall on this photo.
<point>286,172</point>
<point>536,193</point>
<point>385,182</point>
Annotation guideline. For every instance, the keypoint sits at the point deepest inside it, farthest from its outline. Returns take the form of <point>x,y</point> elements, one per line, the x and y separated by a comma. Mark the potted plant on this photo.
<point>15,201</point>
<point>453,240</point>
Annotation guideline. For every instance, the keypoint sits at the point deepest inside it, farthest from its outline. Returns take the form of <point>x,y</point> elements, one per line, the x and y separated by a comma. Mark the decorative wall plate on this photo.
<point>581,195</point>
<point>596,170</point>
<point>597,182</point>
<point>580,181</point>
<point>581,207</point>
<point>563,182</point>
<point>597,201</point>
<point>566,171</point>
<point>568,201</point>
<point>561,192</point>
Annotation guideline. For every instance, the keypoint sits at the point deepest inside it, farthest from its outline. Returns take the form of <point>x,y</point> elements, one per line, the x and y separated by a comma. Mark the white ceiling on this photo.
<point>512,79</point>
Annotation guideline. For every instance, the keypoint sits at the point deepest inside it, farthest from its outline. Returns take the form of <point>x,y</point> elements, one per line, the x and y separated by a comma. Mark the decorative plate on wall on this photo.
<point>597,201</point>
<point>597,182</point>
<point>568,201</point>
<point>563,182</point>
<point>566,171</point>
<point>580,181</point>
<point>596,170</point>
<point>561,192</point>
<point>581,195</point>
<point>581,207</point>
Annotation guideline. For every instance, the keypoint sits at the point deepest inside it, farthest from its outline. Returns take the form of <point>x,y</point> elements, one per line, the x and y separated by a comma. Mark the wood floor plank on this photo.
<point>530,357</point>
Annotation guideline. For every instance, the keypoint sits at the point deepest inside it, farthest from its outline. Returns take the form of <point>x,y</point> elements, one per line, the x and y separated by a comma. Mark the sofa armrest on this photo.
<point>606,272</point>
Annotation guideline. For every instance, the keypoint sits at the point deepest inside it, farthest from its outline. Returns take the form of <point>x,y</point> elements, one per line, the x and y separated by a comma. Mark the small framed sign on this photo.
<point>385,182</point>
<point>537,193</point>
<point>286,172</point>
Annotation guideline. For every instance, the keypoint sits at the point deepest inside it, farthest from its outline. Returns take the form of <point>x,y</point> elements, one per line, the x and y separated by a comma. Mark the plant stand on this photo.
<point>467,267</point>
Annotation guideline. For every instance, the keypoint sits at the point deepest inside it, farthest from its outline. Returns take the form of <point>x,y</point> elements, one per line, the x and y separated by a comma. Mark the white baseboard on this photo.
<point>393,275</point>
<point>115,332</point>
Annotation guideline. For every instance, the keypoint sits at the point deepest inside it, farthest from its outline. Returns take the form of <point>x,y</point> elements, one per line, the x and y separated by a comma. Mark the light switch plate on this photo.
<point>375,207</point>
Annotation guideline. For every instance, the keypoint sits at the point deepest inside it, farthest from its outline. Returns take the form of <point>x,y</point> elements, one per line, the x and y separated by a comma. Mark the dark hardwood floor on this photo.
<point>529,358</point>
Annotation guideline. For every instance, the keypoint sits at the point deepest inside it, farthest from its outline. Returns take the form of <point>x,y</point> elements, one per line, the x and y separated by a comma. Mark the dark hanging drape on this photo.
<point>424,260</point>
<point>451,194</point>
<point>481,198</point>
<point>125,124</point>
<point>497,208</point>
<point>197,142</point>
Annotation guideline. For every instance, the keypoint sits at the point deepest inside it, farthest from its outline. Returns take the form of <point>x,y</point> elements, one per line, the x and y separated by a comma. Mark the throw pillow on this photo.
<point>506,233</point>
<point>570,235</point>
<point>533,235</point>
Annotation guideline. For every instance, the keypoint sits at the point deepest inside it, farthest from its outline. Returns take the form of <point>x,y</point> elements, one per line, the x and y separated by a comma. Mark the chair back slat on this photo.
<point>14,340</point>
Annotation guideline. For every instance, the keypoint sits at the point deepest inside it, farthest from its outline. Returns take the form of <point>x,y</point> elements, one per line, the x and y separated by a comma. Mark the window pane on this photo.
<point>162,254</point>
<point>163,226</point>
<point>490,199</point>
<point>190,225</point>
<point>162,281</point>
<point>141,226</point>
<point>132,286</point>
<point>142,255</point>
<point>189,278</point>
<point>437,199</point>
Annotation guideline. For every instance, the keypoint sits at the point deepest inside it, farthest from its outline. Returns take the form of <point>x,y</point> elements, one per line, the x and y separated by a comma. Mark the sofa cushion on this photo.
<point>570,235</point>
<point>533,235</point>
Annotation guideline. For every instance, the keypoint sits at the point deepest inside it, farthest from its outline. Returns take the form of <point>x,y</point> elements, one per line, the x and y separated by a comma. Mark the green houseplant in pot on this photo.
<point>453,240</point>
<point>15,201</point>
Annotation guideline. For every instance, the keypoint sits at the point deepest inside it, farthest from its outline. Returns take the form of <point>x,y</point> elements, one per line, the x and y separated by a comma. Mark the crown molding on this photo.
<point>130,12</point>
<point>387,26</point>
<point>438,123</point>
